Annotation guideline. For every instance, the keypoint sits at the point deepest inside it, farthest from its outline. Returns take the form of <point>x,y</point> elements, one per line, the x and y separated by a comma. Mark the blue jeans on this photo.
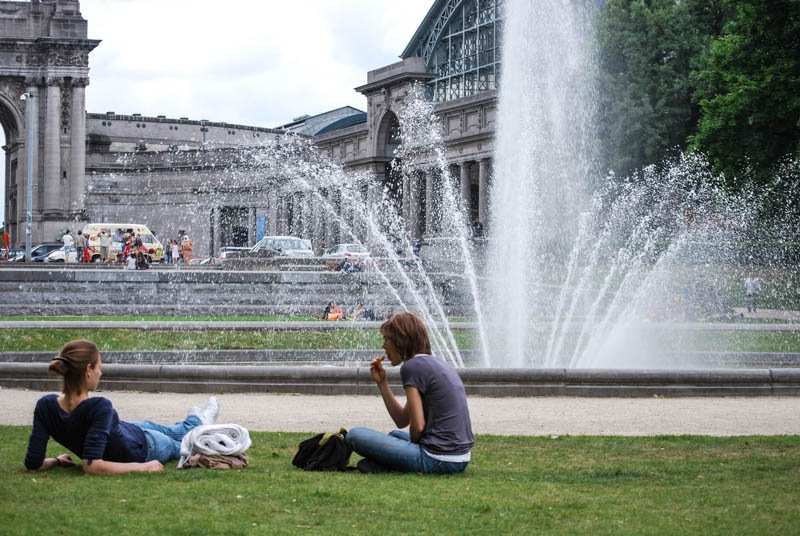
<point>396,451</point>
<point>164,442</point>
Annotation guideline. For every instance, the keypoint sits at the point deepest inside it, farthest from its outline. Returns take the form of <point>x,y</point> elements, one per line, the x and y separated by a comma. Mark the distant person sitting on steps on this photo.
<point>418,246</point>
<point>335,312</point>
<point>477,228</point>
<point>324,315</point>
<point>91,429</point>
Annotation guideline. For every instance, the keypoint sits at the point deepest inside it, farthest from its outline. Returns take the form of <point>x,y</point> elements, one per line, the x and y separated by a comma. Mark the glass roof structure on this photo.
<point>313,125</point>
<point>460,41</point>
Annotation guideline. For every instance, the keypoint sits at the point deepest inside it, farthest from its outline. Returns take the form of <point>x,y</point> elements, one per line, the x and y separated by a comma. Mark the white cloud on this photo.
<point>251,62</point>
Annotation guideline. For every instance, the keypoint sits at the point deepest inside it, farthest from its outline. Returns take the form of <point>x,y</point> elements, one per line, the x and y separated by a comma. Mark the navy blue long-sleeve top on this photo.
<point>92,431</point>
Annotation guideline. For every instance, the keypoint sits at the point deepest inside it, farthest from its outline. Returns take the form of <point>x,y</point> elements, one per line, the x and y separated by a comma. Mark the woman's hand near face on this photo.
<point>377,371</point>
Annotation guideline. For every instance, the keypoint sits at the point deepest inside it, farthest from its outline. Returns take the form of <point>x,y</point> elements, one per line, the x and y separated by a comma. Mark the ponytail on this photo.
<point>71,364</point>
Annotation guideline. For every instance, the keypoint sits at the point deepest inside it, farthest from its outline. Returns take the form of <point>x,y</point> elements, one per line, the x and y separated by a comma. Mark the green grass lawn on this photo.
<point>514,485</point>
<point>199,318</point>
<point>29,340</point>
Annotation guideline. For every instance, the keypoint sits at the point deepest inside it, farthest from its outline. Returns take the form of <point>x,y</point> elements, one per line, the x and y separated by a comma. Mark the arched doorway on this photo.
<point>11,190</point>
<point>389,139</point>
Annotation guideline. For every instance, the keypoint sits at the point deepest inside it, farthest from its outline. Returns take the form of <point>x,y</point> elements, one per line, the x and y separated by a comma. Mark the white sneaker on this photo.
<point>208,414</point>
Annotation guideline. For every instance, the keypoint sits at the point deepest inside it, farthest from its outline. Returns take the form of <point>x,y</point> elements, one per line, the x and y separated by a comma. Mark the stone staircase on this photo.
<point>75,291</point>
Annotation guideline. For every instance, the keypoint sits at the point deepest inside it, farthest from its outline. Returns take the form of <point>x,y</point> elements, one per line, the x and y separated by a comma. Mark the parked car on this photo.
<point>286,246</point>
<point>223,252</point>
<point>347,251</point>
<point>39,251</point>
<point>12,252</point>
<point>204,260</point>
<point>58,255</point>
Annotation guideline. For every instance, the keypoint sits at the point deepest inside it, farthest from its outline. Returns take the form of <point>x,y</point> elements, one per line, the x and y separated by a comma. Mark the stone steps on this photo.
<point>187,292</point>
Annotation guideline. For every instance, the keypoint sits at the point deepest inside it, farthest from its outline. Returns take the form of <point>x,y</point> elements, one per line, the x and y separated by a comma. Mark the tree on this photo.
<point>750,91</point>
<point>648,52</point>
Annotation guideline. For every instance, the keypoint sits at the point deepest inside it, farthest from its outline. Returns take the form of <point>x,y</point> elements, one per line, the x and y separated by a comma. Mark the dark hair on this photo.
<point>408,334</point>
<point>71,363</point>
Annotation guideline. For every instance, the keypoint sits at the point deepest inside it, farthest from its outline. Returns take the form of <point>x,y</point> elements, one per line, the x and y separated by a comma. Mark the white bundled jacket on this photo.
<point>211,439</point>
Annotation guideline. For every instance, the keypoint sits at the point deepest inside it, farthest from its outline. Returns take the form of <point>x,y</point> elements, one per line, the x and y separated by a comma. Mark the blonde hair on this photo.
<point>71,364</point>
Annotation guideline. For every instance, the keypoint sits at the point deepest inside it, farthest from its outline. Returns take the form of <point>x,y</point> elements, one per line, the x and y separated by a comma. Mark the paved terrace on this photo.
<point>502,416</point>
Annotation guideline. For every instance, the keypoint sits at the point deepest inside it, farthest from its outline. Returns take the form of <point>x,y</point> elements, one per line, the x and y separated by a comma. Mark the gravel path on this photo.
<point>503,416</point>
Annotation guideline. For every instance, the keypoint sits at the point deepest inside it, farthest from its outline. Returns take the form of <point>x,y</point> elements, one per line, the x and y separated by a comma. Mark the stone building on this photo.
<point>44,54</point>
<point>180,176</point>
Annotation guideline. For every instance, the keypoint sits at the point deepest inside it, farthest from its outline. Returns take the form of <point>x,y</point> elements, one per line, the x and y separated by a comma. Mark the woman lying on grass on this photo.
<point>440,433</point>
<point>91,429</point>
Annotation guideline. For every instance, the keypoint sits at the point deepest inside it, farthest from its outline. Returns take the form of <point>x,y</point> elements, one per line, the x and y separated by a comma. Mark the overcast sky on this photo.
<point>251,62</point>
<point>254,62</point>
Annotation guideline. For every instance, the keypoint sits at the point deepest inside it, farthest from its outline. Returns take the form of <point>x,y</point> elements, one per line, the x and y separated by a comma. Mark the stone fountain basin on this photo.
<point>356,380</point>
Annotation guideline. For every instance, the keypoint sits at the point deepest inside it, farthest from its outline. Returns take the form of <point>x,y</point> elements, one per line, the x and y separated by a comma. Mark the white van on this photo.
<point>118,231</point>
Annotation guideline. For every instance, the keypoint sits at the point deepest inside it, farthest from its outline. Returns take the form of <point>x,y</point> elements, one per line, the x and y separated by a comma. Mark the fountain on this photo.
<point>578,262</point>
<point>581,270</point>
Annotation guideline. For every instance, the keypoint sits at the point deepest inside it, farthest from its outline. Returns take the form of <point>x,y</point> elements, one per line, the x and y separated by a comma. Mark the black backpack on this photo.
<point>324,452</point>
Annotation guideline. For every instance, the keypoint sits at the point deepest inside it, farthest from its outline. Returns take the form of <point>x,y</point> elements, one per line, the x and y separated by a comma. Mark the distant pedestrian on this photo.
<point>69,244</point>
<point>105,245</point>
<point>6,244</point>
<point>186,247</point>
<point>80,245</point>
<point>752,287</point>
<point>174,251</point>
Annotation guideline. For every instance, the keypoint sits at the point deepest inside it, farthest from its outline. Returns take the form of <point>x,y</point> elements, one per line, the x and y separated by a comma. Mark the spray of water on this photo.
<point>578,264</point>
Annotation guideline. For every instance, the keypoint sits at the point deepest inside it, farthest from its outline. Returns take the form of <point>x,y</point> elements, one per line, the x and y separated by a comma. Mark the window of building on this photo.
<point>466,55</point>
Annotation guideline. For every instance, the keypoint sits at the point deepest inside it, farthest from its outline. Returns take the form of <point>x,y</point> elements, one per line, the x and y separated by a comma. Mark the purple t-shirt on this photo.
<point>448,429</point>
<point>92,431</point>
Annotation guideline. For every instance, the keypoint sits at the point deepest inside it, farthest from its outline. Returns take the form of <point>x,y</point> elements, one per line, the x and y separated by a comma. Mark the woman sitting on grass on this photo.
<point>440,433</point>
<point>91,429</point>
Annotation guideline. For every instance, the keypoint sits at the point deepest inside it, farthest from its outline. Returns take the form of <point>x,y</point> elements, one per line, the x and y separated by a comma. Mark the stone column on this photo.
<point>272,213</point>
<point>53,203</point>
<point>325,220</point>
<point>278,215</point>
<point>465,168</point>
<point>483,191</point>
<point>253,225</point>
<point>78,147</point>
<point>414,204</point>
<point>309,217</point>
<point>429,203</point>
<point>22,162</point>
<point>216,218</point>
<point>338,208</point>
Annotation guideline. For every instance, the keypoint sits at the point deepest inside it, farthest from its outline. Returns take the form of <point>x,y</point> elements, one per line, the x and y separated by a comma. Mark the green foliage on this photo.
<point>514,485</point>
<point>648,51</point>
<point>750,99</point>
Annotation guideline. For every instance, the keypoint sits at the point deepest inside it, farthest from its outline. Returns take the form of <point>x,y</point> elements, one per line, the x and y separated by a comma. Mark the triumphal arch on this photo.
<point>44,53</point>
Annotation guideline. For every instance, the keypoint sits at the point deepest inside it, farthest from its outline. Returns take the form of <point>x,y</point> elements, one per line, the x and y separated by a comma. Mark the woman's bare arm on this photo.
<point>415,413</point>
<point>63,460</point>
<point>103,467</point>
